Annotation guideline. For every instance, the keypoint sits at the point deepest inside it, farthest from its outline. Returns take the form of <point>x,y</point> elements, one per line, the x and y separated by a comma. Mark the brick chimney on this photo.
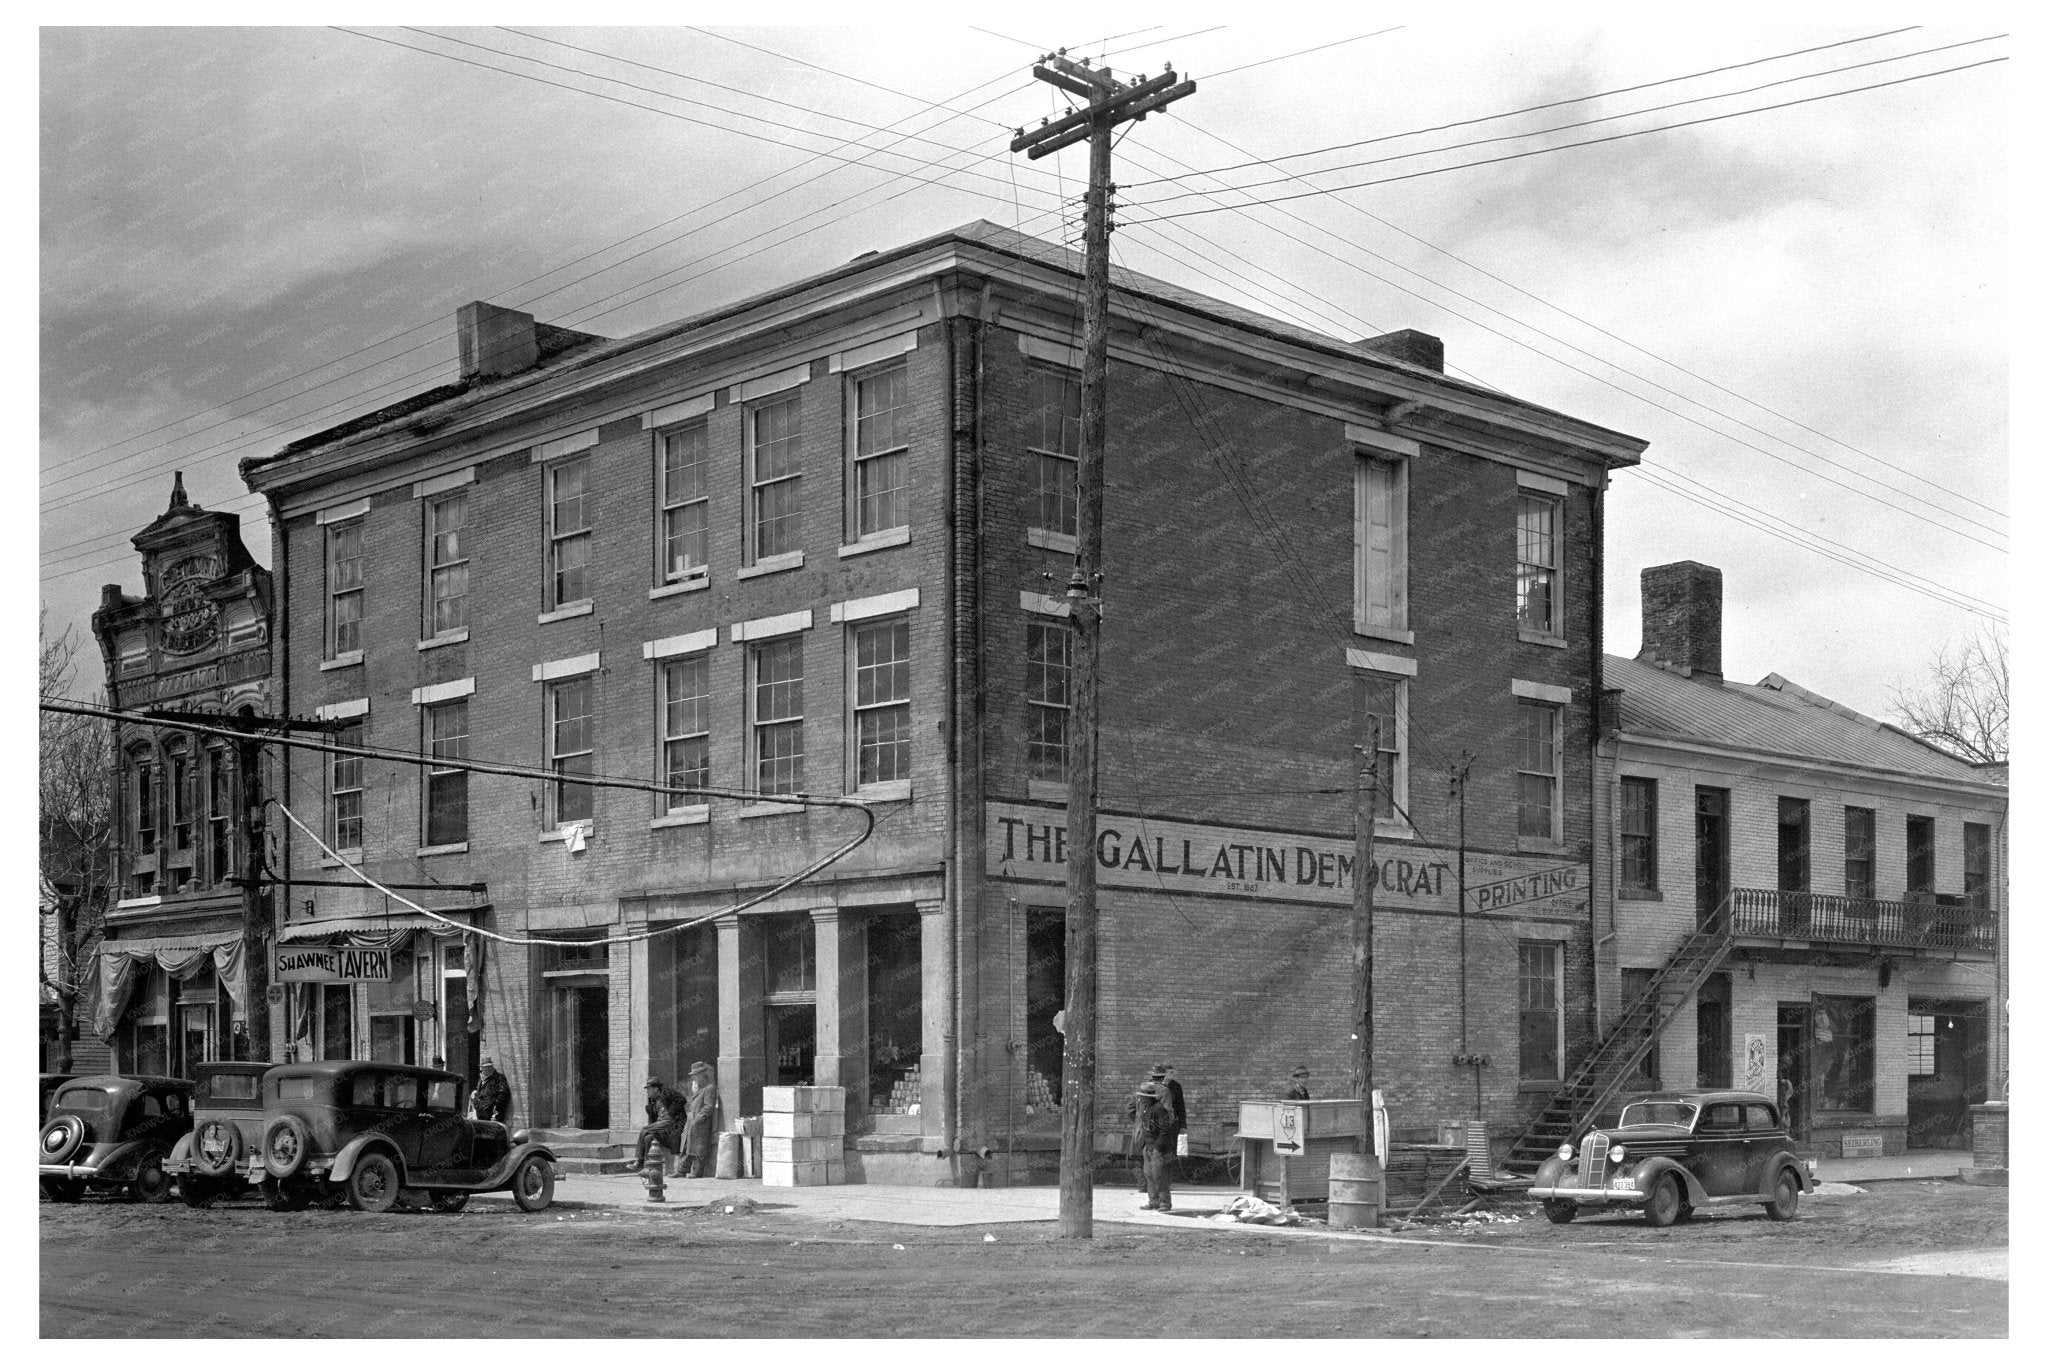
<point>1417,348</point>
<point>1682,618</point>
<point>495,342</point>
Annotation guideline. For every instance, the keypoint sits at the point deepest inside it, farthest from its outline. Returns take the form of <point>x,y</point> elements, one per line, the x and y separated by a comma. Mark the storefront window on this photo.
<point>1845,1052</point>
<point>791,954</point>
<point>1045,993</point>
<point>895,1014</point>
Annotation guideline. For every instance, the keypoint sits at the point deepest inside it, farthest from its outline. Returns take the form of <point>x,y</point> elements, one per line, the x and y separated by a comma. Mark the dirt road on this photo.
<point>124,1270</point>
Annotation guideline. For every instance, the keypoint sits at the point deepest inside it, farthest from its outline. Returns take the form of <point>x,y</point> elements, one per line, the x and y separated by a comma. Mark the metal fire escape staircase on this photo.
<point>1608,1067</point>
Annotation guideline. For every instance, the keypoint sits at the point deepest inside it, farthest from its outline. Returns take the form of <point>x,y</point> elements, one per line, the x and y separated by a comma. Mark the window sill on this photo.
<point>688,815</point>
<point>348,660</point>
<point>349,858</point>
<point>880,540</point>
<point>453,637</point>
<point>697,584</point>
<point>772,564</point>
<point>882,791</point>
<point>1399,637</point>
<point>1641,893</point>
<point>1540,846</point>
<point>766,808</point>
<point>1051,540</point>
<point>1392,829</point>
<point>583,608</point>
<point>1045,791</point>
<point>1537,637</point>
<point>561,832</point>
<point>436,850</point>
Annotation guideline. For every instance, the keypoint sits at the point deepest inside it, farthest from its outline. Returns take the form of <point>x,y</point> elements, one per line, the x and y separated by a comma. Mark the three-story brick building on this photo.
<point>817,541</point>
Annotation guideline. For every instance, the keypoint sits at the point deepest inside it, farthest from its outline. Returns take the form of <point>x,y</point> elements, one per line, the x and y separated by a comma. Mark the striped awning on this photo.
<point>370,926</point>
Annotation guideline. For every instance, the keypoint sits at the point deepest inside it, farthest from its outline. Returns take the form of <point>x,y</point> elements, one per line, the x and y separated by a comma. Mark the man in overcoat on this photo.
<point>1154,1132</point>
<point>666,1108</point>
<point>493,1097</point>
<point>700,1121</point>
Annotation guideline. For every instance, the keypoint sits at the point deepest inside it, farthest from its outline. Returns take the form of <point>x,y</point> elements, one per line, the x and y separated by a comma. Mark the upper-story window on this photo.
<point>1538,551</point>
<point>345,789</point>
<point>1384,700</point>
<point>776,707</point>
<point>775,509</point>
<point>1054,437</point>
<point>1859,853</point>
<point>220,812</point>
<point>572,748</point>
<point>1380,545</point>
<point>684,496</point>
<point>1795,845</point>
<point>1977,865</point>
<point>569,522</point>
<point>145,802</point>
<point>444,801</point>
<point>1048,676</point>
<point>447,552</point>
<point>345,588</point>
<point>685,731</point>
<point>880,449</point>
<point>1639,833</point>
<point>1540,772</point>
<point>181,796</point>
<point>1919,855</point>
<point>881,701</point>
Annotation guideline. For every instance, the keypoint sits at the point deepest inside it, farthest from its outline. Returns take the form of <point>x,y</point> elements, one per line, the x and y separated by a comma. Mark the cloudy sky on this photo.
<point>249,234</point>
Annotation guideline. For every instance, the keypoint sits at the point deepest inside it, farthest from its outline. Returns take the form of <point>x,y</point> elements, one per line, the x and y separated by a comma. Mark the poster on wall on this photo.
<point>1753,1060</point>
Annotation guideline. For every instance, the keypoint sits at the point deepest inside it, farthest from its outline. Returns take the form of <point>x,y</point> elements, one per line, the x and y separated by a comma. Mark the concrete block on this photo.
<point>778,1173</point>
<point>804,1172</point>
<point>803,1125</point>
<point>780,1099</point>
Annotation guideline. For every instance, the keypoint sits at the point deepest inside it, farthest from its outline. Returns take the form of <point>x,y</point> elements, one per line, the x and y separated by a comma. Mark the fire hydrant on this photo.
<point>652,1173</point>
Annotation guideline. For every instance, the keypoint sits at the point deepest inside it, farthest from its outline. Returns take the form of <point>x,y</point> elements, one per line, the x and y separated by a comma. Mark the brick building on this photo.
<point>168,989</point>
<point>815,541</point>
<point>1862,875</point>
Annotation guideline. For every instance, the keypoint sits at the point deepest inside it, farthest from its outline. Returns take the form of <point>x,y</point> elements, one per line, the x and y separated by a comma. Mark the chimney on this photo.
<point>1417,348</point>
<point>1682,618</point>
<point>494,341</point>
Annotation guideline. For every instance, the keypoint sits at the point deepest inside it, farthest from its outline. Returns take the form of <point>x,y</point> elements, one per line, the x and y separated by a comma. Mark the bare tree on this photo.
<point>75,790</point>
<point>1965,705</point>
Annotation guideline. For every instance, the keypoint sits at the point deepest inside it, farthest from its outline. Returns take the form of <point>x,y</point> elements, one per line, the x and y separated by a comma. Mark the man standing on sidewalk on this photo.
<point>1155,1134</point>
<point>700,1121</point>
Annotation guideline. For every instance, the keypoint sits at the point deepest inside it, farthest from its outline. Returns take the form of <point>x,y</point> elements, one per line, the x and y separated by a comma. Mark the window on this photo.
<point>1977,866</point>
<point>1381,698</point>
<point>1536,564</point>
<point>446,799</point>
<point>881,701</point>
<point>1919,1045</point>
<point>1859,853</point>
<point>1845,1052</point>
<point>447,564</point>
<point>219,813</point>
<point>1380,545</point>
<point>881,452</point>
<point>1048,672</point>
<point>775,509</point>
<point>1639,833</point>
<point>685,731</point>
<point>345,789</point>
<point>1541,760</point>
<point>685,499</point>
<point>572,748</point>
<point>1542,1011</point>
<point>345,588</point>
<point>1054,437</point>
<point>181,797</point>
<point>777,702</point>
<point>1794,862</point>
<point>145,805</point>
<point>568,532</point>
<point>1919,856</point>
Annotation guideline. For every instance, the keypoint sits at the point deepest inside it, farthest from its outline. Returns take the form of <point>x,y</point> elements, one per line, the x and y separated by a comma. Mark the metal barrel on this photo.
<point>1355,1184</point>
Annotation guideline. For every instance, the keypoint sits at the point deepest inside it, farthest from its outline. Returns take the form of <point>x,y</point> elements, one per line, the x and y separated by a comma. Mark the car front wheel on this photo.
<point>533,1184</point>
<point>152,1185</point>
<point>373,1185</point>
<point>1785,1199</point>
<point>1666,1199</point>
<point>1560,1210</point>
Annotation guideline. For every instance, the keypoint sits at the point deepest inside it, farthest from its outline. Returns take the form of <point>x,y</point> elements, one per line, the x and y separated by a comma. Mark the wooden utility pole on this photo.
<point>255,920</point>
<point>1364,877</point>
<point>1110,102</point>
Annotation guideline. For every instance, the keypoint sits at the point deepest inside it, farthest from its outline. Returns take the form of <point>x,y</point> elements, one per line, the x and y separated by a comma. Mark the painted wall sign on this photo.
<point>1029,843</point>
<point>1754,1055</point>
<point>332,964</point>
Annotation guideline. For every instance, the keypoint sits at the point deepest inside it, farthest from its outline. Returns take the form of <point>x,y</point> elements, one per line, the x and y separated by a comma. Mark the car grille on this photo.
<point>1593,1162</point>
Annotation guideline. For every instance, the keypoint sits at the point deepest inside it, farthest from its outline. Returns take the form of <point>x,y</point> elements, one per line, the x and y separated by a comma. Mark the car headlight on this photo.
<point>1616,1153</point>
<point>522,1135</point>
<point>1564,1151</point>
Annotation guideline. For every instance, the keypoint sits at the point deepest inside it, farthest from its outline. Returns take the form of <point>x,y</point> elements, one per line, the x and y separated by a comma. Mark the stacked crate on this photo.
<point>906,1096</point>
<point>803,1135</point>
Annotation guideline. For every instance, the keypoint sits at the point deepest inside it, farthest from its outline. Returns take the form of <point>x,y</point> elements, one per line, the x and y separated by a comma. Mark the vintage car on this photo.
<point>1676,1152</point>
<point>113,1132</point>
<point>50,1083</point>
<point>218,1158</point>
<point>378,1129</point>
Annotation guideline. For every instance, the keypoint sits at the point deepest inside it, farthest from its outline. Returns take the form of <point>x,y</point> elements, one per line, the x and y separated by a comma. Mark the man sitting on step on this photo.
<point>666,1109</point>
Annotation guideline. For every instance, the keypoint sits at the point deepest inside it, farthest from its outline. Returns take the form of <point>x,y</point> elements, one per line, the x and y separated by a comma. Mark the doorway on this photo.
<point>1710,853</point>
<point>1795,1031</point>
<point>1945,1071</point>
<point>1045,995</point>
<point>1716,1044</point>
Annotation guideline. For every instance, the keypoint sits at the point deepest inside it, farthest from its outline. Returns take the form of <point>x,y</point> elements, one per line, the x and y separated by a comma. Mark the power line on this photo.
<point>1322,47</point>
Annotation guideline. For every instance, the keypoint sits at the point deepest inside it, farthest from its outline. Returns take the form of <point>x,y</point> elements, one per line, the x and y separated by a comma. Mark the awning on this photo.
<point>180,956</point>
<point>379,927</point>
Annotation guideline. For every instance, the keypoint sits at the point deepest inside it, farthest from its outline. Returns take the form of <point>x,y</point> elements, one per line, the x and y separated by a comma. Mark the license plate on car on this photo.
<point>1622,1182</point>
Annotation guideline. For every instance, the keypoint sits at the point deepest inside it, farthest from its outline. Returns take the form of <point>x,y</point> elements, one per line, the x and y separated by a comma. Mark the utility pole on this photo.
<point>1461,773</point>
<point>1110,102</point>
<point>1364,877</point>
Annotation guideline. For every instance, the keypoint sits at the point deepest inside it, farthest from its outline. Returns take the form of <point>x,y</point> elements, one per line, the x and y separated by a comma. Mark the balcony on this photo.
<point>1926,925</point>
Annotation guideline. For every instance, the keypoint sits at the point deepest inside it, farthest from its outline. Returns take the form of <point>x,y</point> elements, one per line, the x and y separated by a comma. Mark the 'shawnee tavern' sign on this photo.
<point>332,964</point>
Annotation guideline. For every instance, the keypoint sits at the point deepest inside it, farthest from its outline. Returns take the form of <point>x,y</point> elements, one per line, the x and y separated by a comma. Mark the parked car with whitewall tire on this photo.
<point>218,1158</point>
<point>113,1132</point>
<point>1676,1152</point>
<point>377,1130</point>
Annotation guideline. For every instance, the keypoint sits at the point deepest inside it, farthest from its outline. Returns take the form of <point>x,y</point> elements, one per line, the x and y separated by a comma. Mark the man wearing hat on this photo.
<point>700,1120</point>
<point>493,1097</point>
<point>1154,1132</point>
<point>1297,1084</point>
<point>665,1110</point>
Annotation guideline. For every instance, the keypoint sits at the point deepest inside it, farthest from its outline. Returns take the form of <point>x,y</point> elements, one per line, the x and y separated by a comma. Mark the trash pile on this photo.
<point>732,1206</point>
<point>1833,1187</point>
<point>1247,1209</point>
